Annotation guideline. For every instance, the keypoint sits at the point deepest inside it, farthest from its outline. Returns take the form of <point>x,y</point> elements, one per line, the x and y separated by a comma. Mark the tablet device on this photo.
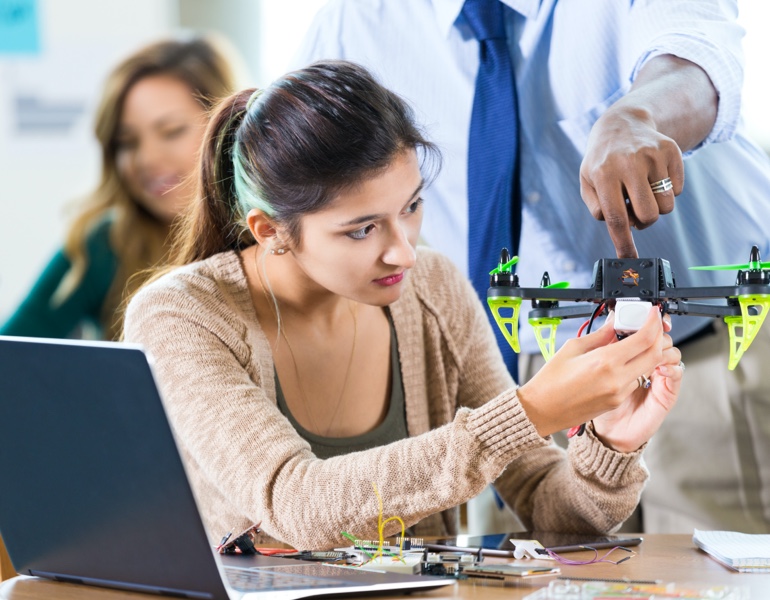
<point>556,542</point>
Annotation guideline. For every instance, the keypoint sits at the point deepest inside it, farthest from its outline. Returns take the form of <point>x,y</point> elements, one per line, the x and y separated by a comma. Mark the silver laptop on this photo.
<point>94,490</point>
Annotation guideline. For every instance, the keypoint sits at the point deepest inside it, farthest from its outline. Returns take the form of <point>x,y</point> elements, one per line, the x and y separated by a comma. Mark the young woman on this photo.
<point>149,124</point>
<point>308,349</point>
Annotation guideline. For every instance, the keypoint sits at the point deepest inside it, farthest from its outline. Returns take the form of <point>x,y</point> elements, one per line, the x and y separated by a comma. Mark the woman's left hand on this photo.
<point>633,423</point>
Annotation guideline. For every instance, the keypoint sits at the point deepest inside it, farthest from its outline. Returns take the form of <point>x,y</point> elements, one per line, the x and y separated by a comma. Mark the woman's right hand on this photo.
<point>591,375</point>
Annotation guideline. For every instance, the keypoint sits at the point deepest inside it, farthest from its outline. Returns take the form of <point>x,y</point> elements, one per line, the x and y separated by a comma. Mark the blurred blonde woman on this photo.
<point>149,124</point>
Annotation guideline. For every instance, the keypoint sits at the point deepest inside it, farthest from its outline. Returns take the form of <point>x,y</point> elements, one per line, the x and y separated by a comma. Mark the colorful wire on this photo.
<point>381,527</point>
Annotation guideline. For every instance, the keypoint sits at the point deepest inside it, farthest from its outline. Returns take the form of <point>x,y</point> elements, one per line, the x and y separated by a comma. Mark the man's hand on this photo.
<point>625,155</point>
<point>639,140</point>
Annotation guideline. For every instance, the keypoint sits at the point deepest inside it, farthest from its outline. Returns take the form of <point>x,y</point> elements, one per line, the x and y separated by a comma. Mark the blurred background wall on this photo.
<point>49,87</point>
<point>50,77</point>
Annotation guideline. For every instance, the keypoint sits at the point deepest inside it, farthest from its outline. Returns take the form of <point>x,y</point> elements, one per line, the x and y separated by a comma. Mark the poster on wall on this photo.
<point>19,27</point>
<point>44,98</point>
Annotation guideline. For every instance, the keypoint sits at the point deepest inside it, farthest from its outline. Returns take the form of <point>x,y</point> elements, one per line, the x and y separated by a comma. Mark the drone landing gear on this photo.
<point>545,334</point>
<point>505,310</point>
<point>743,329</point>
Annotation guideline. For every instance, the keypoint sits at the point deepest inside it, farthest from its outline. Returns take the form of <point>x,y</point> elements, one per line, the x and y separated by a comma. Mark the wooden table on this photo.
<point>670,558</point>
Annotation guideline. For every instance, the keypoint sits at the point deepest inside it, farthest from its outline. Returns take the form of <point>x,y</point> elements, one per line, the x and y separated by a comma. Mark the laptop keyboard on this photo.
<point>284,578</point>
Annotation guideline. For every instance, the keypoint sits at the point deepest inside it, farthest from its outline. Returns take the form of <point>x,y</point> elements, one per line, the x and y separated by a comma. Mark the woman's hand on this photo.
<point>633,423</point>
<point>595,374</point>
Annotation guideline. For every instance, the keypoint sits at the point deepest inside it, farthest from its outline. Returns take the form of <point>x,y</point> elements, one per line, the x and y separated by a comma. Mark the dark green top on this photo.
<point>37,317</point>
<point>392,428</point>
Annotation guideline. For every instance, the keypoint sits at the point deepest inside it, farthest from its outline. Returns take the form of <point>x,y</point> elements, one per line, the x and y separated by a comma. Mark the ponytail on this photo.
<point>214,222</point>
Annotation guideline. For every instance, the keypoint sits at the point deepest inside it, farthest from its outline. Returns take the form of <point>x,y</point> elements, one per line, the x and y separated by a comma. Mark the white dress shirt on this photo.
<point>572,59</point>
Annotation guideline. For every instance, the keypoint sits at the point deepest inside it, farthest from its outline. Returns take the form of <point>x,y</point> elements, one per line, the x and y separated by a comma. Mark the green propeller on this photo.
<point>545,283</point>
<point>505,265</point>
<point>754,264</point>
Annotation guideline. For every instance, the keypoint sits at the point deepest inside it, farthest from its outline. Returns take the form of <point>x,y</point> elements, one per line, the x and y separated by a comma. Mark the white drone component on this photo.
<point>630,315</point>
<point>530,549</point>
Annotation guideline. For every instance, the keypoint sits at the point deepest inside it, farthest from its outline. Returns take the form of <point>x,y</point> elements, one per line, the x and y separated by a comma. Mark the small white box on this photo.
<point>630,315</point>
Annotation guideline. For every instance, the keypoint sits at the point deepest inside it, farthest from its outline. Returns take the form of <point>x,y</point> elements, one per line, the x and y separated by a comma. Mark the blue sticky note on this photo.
<point>19,27</point>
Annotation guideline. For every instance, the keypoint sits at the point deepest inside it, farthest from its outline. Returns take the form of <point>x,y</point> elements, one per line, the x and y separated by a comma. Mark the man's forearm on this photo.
<point>677,96</point>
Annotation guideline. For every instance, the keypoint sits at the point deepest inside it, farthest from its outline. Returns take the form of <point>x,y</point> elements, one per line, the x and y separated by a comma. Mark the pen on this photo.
<point>483,551</point>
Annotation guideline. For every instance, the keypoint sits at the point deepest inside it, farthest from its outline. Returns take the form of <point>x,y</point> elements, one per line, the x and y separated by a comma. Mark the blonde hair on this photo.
<point>138,240</point>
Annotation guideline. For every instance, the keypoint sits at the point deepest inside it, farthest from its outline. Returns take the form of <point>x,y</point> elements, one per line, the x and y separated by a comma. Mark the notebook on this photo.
<point>744,552</point>
<point>94,490</point>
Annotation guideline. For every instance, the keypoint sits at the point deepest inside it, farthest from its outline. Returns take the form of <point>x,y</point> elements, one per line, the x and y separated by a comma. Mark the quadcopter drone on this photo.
<point>632,284</point>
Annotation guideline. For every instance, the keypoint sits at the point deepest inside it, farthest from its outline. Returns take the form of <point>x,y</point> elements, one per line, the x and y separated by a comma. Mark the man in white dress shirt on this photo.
<point>613,96</point>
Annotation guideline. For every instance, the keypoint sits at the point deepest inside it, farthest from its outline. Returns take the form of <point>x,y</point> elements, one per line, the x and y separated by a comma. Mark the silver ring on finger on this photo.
<point>644,381</point>
<point>662,186</point>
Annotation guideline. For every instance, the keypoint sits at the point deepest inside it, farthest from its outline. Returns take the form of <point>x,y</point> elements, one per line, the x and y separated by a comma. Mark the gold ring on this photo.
<point>662,186</point>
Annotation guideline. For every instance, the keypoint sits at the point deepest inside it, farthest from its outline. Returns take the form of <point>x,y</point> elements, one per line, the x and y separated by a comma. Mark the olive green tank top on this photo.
<point>392,428</point>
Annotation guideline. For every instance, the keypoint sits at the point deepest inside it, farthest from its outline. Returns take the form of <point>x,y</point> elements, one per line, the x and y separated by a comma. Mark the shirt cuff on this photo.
<point>724,71</point>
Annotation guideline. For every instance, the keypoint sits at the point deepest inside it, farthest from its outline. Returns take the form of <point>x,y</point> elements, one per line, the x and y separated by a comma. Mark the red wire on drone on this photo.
<point>582,327</point>
<point>590,321</point>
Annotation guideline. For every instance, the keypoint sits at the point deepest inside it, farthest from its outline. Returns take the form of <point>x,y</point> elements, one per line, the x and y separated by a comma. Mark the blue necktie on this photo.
<point>494,215</point>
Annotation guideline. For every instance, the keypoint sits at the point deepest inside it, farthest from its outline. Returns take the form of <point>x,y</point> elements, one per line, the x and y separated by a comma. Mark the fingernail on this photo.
<point>664,370</point>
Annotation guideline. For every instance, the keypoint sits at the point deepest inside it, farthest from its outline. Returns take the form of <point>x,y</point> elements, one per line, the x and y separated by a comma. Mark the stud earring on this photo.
<point>278,251</point>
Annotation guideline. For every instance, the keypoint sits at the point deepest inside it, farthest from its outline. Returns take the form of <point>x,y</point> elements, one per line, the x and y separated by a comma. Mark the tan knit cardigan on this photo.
<point>467,429</point>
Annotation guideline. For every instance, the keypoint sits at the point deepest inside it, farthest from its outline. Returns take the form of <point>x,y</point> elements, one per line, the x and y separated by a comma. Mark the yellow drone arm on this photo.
<point>744,328</point>
<point>505,310</point>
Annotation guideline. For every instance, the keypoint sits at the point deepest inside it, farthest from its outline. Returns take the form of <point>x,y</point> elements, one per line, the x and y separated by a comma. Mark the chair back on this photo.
<point>6,568</point>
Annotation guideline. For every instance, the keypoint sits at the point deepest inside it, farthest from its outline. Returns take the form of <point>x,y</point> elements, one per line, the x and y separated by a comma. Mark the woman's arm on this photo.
<point>237,440</point>
<point>38,316</point>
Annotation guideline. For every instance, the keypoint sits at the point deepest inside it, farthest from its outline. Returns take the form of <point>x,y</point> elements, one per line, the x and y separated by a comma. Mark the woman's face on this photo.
<point>160,132</point>
<point>363,243</point>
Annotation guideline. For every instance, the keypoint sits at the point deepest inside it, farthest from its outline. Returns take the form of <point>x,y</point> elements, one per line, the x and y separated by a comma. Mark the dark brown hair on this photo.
<point>297,144</point>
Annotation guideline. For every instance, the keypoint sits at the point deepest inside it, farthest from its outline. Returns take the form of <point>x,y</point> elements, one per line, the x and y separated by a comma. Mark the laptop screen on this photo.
<point>68,415</point>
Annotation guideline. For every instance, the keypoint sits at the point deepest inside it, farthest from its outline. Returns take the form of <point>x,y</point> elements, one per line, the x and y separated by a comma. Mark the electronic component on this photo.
<point>530,549</point>
<point>410,543</point>
<point>509,572</point>
<point>321,555</point>
<point>446,563</point>
<point>407,563</point>
<point>630,315</point>
<point>243,543</point>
